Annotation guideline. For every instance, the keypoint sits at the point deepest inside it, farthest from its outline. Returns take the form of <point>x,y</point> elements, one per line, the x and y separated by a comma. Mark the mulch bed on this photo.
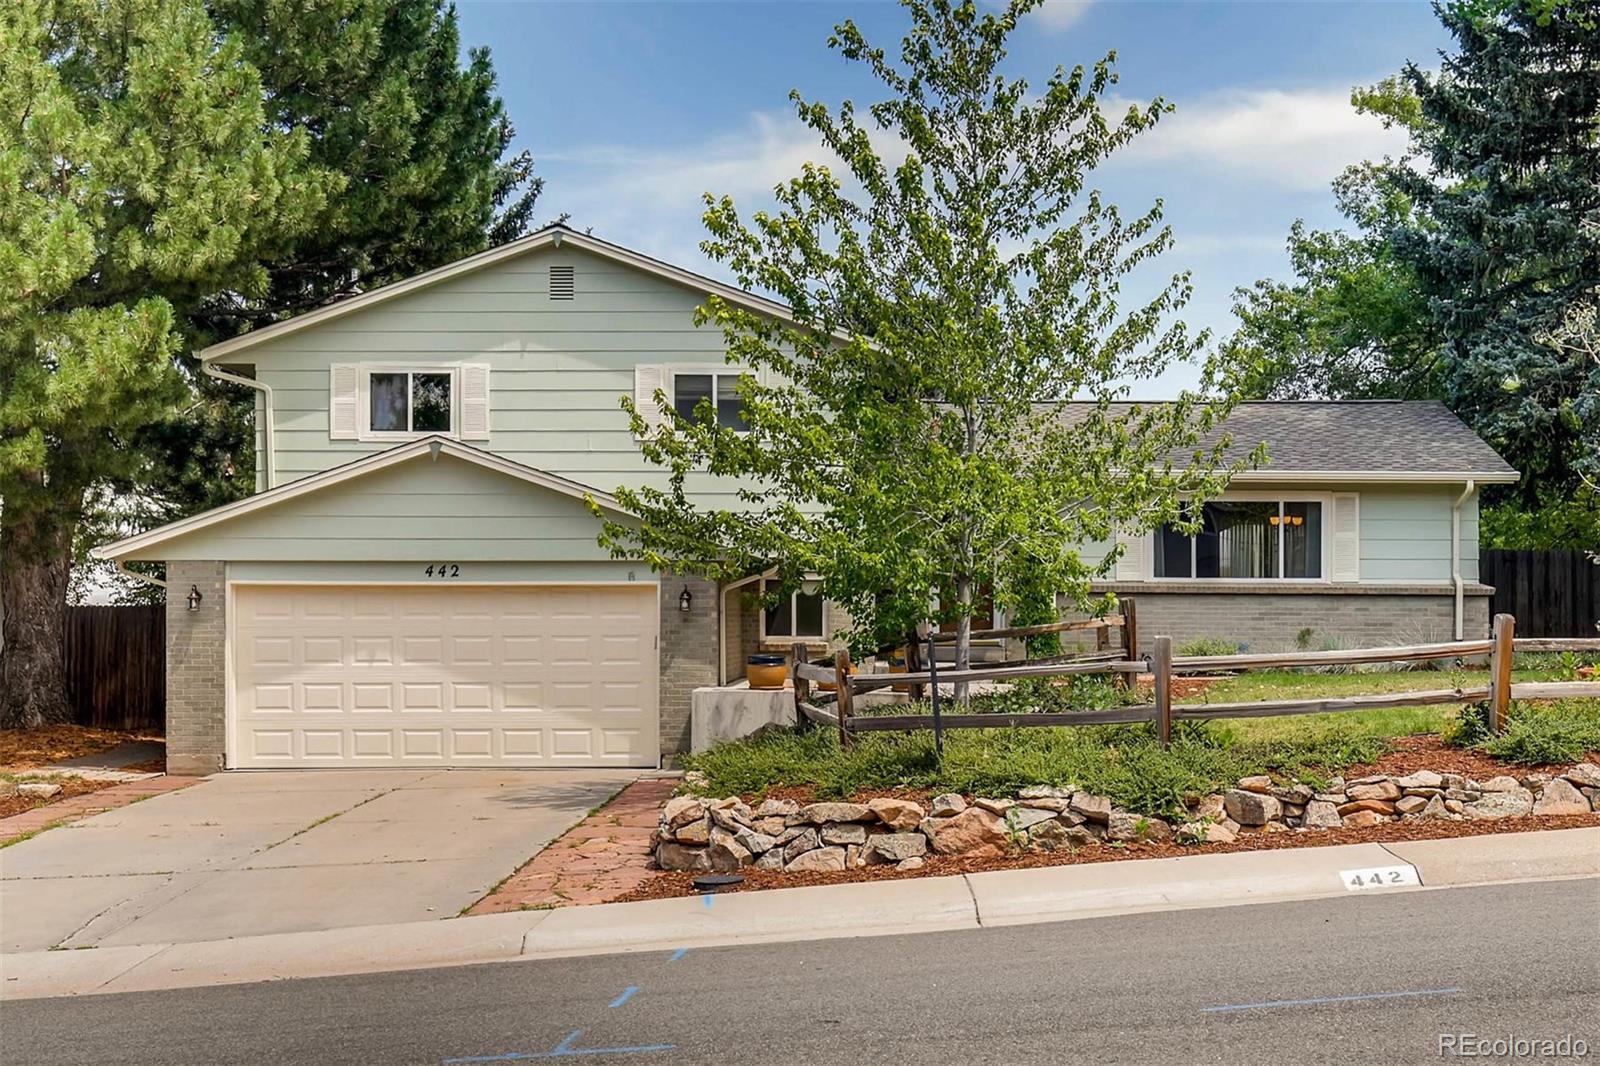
<point>669,884</point>
<point>70,787</point>
<point>1427,751</point>
<point>30,749</point>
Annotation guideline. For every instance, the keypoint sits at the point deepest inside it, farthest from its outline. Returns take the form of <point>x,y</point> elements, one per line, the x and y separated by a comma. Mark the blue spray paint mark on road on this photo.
<point>680,953</point>
<point>561,1051</point>
<point>1328,999</point>
<point>627,994</point>
<point>707,898</point>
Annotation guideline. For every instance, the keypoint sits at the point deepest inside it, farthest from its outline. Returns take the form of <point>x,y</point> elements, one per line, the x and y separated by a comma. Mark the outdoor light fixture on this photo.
<point>685,600</point>
<point>194,598</point>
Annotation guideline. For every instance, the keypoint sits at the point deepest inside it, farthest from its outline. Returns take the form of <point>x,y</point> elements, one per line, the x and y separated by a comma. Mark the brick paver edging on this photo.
<point>602,858</point>
<point>90,803</point>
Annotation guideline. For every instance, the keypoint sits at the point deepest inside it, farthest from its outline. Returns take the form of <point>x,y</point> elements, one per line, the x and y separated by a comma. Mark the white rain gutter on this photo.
<point>121,566</point>
<point>1455,554</point>
<point>269,462</point>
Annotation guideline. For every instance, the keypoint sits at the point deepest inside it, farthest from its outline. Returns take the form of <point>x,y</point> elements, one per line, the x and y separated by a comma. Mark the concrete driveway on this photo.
<point>274,852</point>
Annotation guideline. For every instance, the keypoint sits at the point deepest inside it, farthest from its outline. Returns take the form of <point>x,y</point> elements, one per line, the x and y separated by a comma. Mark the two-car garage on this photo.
<point>424,675</point>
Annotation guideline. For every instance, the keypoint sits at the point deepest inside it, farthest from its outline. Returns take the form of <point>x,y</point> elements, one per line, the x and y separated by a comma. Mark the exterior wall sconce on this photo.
<point>194,598</point>
<point>685,600</point>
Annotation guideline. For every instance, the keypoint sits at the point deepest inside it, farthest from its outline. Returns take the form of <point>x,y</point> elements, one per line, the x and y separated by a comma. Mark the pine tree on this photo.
<point>138,172</point>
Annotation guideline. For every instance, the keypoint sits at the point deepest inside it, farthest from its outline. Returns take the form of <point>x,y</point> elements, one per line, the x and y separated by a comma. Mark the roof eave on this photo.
<point>1414,477</point>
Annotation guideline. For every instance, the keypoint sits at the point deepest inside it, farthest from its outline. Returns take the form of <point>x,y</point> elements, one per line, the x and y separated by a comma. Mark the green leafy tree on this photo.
<point>908,431</point>
<point>139,172</point>
<point>422,142</point>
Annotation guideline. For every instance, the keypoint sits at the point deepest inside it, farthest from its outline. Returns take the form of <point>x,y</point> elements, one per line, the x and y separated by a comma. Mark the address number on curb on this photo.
<point>1379,877</point>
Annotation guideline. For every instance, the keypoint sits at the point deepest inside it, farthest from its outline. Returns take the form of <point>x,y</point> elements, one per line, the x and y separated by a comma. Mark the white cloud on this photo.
<point>651,199</point>
<point>1057,15</point>
<point>1300,139</point>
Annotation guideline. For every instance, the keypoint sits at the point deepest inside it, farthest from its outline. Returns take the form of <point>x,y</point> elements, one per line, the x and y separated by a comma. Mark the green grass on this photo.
<point>1557,731</point>
<point>1125,762</point>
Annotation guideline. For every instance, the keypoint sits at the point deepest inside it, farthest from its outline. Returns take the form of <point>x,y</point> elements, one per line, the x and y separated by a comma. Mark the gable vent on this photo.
<point>562,283</point>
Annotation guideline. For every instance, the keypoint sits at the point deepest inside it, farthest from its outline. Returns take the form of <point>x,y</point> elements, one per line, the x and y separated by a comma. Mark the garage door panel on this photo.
<point>513,676</point>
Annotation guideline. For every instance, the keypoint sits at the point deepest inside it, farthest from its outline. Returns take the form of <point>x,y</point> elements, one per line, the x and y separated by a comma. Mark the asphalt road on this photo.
<point>1377,979</point>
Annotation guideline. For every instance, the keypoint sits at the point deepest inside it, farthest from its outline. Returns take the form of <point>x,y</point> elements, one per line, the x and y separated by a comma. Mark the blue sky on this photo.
<point>633,109</point>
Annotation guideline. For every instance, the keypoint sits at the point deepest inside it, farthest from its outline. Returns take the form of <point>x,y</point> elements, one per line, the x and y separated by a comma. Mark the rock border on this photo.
<point>724,835</point>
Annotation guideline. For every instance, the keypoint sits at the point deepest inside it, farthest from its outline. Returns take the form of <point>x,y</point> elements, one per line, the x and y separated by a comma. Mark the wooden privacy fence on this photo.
<point>826,694</point>
<point>1550,593</point>
<point>116,661</point>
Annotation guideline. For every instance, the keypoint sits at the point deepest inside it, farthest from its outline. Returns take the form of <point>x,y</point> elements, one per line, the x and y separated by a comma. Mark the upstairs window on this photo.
<point>1246,540</point>
<point>800,617</point>
<point>718,389</point>
<point>411,401</point>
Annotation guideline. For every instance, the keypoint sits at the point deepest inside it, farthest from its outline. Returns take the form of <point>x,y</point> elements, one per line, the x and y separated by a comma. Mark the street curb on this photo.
<point>877,908</point>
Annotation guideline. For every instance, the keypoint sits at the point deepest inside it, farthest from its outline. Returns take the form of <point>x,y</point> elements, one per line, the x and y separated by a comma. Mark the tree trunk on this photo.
<point>35,560</point>
<point>963,631</point>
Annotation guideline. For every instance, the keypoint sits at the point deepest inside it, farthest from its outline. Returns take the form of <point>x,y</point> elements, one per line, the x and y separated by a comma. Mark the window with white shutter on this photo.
<point>344,401</point>
<point>1346,536</point>
<point>1130,565</point>
<point>475,401</point>
<point>647,381</point>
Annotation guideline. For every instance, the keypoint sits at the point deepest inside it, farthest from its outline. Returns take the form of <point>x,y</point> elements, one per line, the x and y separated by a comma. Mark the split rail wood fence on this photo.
<point>825,693</point>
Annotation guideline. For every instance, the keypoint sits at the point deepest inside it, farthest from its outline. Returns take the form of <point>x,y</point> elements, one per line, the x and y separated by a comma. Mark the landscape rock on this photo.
<point>1420,779</point>
<point>802,843</point>
<point>817,860</point>
<point>844,834</point>
<point>1453,806</point>
<point>1251,808</point>
<point>1025,817</point>
<point>773,826</point>
<point>697,832</point>
<point>1449,781</point>
<point>1125,826</point>
<point>819,813</point>
<point>1335,798</point>
<point>1465,795</point>
<point>854,856</point>
<point>946,805</point>
<point>681,810</point>
<point>755,843</point>
<point>1050,792</point>
<point>1500,784</point>
<point>1261,783</point>
<point>895,847</point>
<point>1058,835</point>
<point>1363,818</point>
<point>1206,833</point>
<point>1382,807</point>
<point>726,853</point>
<point>1211,808</point>
<point>1410,804</point>
<point>1437,810</point>
<point>1297,794</point>
<point>1501,803</point>
<point>1559,797</point>
<point>776,808</point>
<point>1321,814</point>
<point>1056,806</point>
<point>772,860</point>
<point>1535,782</point>
<point>1377,790</point>
<point>1093,808</point>
<point>974,832</point>
<point>670,856</point>
<point>731,818</point>
<point>994,806</point>
<point>898,814</point>
<point>1584,775</point>
<point>916,862</point>
<point>38,789</point>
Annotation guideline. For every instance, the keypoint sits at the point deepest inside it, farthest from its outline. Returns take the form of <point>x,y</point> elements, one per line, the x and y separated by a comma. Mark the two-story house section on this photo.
<point>417,580</point>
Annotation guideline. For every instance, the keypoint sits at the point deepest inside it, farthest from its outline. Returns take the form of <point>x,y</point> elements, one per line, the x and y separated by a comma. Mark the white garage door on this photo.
<point>459,676</point>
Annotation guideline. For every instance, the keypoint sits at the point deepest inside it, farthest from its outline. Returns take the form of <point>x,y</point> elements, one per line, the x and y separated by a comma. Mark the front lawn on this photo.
<point>1126,763</point>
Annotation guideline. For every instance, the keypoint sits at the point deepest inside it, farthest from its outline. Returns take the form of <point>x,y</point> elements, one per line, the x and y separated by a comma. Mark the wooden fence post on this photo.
<point>1500,654</point>
<point>841,678</point>
<point>1161,664</point>
<point>1130,640</point>
<point>801,653</point>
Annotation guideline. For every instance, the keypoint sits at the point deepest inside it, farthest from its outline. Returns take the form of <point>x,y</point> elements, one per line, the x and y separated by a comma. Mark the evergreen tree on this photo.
<point>138,173</point>
<point>1505,183</point>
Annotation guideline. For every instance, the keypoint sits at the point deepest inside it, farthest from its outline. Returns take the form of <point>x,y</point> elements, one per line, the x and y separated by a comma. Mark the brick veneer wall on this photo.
<point>196,672</point>
<point>1270,621</point>
<point>688,656</point>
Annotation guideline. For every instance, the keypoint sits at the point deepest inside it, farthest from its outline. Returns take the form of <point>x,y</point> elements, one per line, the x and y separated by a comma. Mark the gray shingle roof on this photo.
<point>1415,438</point>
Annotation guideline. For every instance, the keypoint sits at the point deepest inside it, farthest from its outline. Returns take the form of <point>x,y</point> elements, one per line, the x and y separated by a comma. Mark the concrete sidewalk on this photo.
<point>921,905</point>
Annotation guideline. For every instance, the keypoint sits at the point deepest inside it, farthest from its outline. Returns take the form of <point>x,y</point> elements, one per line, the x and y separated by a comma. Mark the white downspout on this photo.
<point>269,462</point>
<point>1455,554</point>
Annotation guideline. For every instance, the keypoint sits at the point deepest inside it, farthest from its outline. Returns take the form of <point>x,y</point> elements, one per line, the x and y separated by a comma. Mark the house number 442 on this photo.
<point>443,570</point>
